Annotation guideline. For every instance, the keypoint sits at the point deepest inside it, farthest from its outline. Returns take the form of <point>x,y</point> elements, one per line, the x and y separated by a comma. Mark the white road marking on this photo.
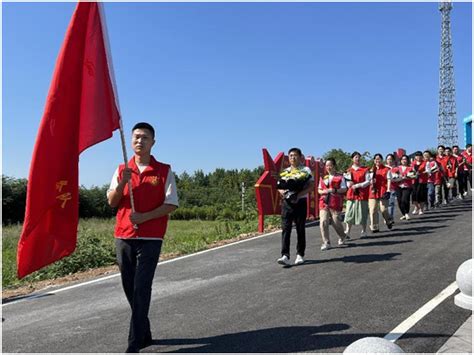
<point>408,323</point>
<point>160,263</point>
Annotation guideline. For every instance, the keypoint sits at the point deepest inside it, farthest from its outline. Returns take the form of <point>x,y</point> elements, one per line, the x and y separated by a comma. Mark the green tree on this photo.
<point>13,199</point>
<point>343,159</point>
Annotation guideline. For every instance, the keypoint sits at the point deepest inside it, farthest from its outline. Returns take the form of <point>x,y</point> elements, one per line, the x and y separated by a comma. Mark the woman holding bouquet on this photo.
<point>432,171</point>
<point>357,207</point>
<point>379,193</point>
<point>420,189</point>
<point>394,184</point>
<point>331,188</point>
<point>407,174</point>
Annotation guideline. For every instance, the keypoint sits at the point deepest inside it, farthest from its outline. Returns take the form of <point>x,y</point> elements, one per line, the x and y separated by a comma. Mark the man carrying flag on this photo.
<point>81,110</point>
<point>139,234</point>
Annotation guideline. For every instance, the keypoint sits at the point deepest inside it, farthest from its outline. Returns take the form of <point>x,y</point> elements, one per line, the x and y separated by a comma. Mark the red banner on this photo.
<point>81,110</point>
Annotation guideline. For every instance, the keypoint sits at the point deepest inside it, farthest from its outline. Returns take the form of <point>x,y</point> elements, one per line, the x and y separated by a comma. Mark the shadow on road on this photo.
<point>275,340</point>
<point>423,220</point>
<point>430,217</point>
<point>405,232</point>
<point>423,229</point>
<point>358,259</point>
<point>378,244</point>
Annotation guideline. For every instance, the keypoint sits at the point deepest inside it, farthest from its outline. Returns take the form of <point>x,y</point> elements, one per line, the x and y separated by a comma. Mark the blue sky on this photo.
<point>220,81</point>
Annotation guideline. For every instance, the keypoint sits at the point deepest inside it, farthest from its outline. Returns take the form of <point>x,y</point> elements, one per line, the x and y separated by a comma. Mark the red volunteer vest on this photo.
<point>439,176</point>
<point>450,166</point>
<point>358,176</point>
<point>148,194</point>
<point>394,184</point>
<point>405,183</point>
<point>460,161</point>
<point>422,175</point>
<point>468,157</point>
<point>380,183</point>
<point>433,177</point>
<point>335,200</point>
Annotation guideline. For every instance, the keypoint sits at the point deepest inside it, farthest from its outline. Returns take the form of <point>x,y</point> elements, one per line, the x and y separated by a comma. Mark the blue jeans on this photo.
<point>431,195</point>
<point>391,204</point>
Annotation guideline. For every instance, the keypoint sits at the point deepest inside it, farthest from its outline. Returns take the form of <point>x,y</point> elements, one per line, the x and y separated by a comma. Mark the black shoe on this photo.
<point>374,230</point>
<point>132,349</point>
<point>147,342</point>
<point>390,225</point>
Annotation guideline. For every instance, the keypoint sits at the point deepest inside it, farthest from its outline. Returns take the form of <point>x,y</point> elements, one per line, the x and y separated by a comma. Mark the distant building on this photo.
<point>467,130</point>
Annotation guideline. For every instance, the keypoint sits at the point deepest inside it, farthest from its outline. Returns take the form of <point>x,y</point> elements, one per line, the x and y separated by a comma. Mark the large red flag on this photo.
<point>81,110</point>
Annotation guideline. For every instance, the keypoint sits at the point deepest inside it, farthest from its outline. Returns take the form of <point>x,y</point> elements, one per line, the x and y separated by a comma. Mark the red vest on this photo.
<point>433,178</point>
<point>468,164</point>
<point>358,176</point>
<point>405,183</point>
<point>422,174</point>
<point>380,183</point>
<point>148,194</point>
<point>450,166</point>
<point>335,200</point>
<point>439,176</point>
<point>460,160</point>
<point>394,184</point>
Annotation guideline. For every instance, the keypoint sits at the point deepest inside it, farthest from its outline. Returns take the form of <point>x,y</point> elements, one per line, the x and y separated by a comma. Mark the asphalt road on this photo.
<point>238,299</point>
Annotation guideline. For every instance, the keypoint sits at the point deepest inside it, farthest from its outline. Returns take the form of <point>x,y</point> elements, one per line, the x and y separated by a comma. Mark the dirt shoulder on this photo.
<point>9,294</point>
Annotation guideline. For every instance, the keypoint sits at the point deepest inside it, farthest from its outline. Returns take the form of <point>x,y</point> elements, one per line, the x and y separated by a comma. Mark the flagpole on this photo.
<point>125,159</point>
<point>114,86</point>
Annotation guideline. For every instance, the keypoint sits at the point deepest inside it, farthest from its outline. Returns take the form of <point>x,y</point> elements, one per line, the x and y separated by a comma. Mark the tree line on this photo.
<point>212,196</point>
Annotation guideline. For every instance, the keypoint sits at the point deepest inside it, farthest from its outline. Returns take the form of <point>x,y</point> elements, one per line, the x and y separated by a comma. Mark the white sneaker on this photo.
<point>415,211</point>
<point>299,260</point>
<point>403,217</point>
<point>421,212</point>
<point>460,197</point>
<point>407,216</point>
<point>464,194</point>
<point>325,246</point>
<point>363,234</point>
<point>284,260</point>
<point>340,241</point>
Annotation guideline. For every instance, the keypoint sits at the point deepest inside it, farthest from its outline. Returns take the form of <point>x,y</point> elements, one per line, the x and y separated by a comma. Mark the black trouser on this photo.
<point>297,213</point>
<point>403,198</point>
<point>462,181</point>
<point>137,260</point>
<point>455,188</point>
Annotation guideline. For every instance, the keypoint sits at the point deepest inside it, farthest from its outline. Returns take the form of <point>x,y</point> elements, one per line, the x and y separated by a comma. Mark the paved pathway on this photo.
<point>237,299</point>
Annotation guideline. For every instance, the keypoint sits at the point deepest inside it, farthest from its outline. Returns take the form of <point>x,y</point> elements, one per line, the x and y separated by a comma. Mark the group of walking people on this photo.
<point>426,181</point>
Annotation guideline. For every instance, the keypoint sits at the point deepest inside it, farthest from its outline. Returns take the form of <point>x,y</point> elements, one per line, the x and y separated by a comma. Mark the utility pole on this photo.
<point>242,187</point>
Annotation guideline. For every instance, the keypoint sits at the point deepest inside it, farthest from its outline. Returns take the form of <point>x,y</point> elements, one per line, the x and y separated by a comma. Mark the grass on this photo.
<point>96,248</point>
